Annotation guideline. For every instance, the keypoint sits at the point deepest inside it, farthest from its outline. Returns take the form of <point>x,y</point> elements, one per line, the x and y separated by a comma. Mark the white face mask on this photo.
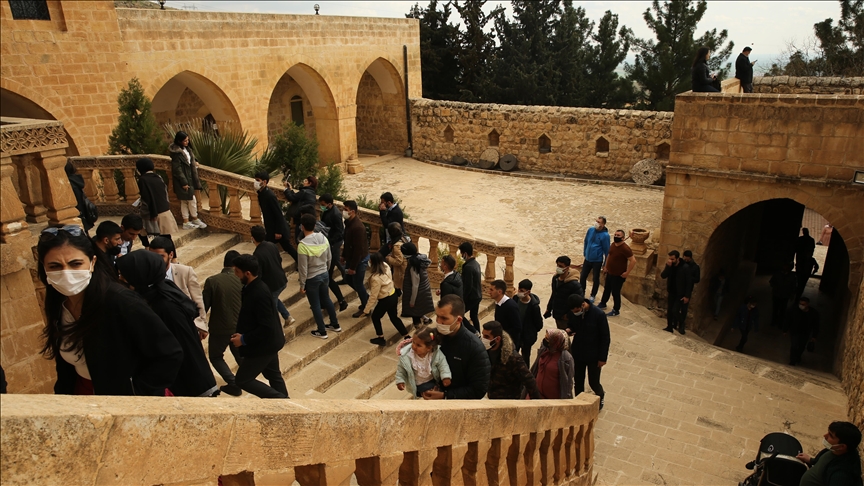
<point>827,444</point>
<point>581,311</point>
<point>520,295</point>
<point>70,282</point>
<point>486,343</point>
<point>257,185</point>
<point>445,330</point>
<point>559,270</point>
<point>345,215</point>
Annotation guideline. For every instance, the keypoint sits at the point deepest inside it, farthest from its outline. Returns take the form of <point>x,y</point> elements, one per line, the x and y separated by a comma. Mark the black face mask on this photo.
<point>113,251</point>
<point>618,239</point>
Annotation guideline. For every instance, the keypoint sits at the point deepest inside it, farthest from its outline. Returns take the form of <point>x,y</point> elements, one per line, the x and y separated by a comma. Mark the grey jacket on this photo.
<point>313,257</point>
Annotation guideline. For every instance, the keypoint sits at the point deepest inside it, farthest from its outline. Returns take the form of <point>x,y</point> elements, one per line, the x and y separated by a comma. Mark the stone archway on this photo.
<point>190,96</point>
<point>15,105</point>
<point>381,123</point>
<point>301,85</point>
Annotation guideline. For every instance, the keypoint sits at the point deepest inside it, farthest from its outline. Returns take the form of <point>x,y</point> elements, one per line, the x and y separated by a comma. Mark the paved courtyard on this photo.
<point>678,411</point>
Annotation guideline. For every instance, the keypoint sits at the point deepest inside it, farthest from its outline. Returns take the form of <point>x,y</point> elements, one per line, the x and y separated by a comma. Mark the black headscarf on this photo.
<point>145,271</point>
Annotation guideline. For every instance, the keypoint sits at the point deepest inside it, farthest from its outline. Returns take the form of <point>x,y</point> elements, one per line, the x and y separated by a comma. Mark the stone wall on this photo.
<point>279,110</point>
<point>189,107</point>
<point>853,371</point>
<point>585,142</point>
<point>808,85</point>
<point>381,124</point>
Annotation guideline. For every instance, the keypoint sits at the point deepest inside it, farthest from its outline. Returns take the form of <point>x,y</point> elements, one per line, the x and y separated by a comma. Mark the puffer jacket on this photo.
<point>416,290</point>
<point>184,172</point>
<point>452,284</point>
<point>405,369</point>
<point>561,289</point>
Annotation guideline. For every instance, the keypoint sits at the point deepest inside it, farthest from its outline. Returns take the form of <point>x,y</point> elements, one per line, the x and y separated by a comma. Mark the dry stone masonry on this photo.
<point>808,85</point>
<point>587,142</point>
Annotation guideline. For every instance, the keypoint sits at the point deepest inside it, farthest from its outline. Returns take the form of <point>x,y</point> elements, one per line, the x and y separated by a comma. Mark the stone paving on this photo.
<point>678,411</point>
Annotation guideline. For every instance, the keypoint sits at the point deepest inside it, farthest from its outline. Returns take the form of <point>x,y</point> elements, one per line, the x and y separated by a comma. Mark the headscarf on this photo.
<point>145,271</point>
<point>144,165</point>
<point>557,339</point>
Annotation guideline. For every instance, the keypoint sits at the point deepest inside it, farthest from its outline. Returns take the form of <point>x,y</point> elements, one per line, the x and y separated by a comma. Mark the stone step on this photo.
<point>200,250</point>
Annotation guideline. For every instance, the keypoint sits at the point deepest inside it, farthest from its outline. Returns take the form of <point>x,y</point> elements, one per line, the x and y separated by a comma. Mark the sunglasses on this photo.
<point>51,232</point>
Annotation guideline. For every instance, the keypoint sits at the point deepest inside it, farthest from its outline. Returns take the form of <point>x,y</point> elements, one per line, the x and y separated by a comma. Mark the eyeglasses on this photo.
<point>51,232</point>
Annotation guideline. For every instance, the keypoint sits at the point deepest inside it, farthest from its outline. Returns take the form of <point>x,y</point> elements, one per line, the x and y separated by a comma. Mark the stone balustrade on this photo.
<point>98,171</point>
<point>81,440</point>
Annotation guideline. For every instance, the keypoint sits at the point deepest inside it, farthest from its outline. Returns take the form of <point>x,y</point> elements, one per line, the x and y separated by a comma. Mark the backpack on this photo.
<point>91,212</point>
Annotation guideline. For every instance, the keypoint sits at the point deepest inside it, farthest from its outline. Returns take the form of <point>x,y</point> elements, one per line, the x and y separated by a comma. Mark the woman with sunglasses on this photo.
<point>104,338</point>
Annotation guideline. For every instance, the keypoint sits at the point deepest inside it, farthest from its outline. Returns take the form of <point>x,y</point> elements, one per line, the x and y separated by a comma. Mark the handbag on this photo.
<point>150,227</point>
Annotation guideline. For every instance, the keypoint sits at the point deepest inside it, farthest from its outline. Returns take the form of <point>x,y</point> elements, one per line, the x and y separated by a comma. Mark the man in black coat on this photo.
<point>803,326</point>
<point>271,211</point>
<point>452,283</point>
<point>590,347</point>
<point>332,219</point>
<point>532,320</point>
<point>472,286</point>
<point>259,337</point>
<point>465,354</point>
<point>356,255</point>
<point>744,70</point>
<point>506,310</point>
<point>564,284</point>
<point>679,287</point>
<point>390,212</point>
<point>270,270</point>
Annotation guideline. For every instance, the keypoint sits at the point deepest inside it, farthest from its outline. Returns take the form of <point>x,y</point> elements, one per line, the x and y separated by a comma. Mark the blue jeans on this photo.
<point>279,305</point>
<point>318,294</point>
<point>356,281</point>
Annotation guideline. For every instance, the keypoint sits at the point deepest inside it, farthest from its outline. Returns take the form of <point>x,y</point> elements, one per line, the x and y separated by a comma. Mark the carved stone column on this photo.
<point>214,200</point>
<point>109,187</point>
<point>378,471</point>
<point>433,256</point>
<point>570,450</point>
<point>56,192</point>
<point>496,462</point>
<point>234,204</point>
<point>130,184</point>
<point>254,209</point>
<point>509,275</point>
<point>447,467</point>
<point>89,184</point>
<point>354,164</point>
<point>544,454</point>
<point>12,215</point>
<point>30,187</point>
<point>489,275</point>
<point>517,459</point>
<point>558,466</point>
<point>417,467</point>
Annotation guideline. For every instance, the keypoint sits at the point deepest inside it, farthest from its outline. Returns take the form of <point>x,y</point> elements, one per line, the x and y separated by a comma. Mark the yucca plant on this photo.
<point>230,149</point>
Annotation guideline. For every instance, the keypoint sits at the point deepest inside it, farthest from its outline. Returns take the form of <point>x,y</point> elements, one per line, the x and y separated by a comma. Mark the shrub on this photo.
<point>136,131</point>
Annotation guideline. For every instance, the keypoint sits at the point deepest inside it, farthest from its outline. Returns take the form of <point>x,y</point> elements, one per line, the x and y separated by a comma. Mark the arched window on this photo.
<point>448,134</point>
<point>544,144</point>
<point>663,151</point>
<point>494,138</point>
<point>601,146</point>
<point>297,110</point>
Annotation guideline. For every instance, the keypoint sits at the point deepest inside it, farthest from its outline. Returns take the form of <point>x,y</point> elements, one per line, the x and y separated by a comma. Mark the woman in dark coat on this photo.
<point>416,291</point>
<point>154,195</point>
<point>145,272</point>
<point>77,183</point>
<point>104,338</point>
<point>304,197</point>
<point>702,79</point>
<point>184,171</point>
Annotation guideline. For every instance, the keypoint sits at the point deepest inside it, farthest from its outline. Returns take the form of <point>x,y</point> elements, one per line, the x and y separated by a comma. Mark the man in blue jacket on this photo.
<point>596,249</point>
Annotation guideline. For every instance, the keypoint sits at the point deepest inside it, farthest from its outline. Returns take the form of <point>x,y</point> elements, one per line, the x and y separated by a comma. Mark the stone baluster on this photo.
<point>416,468</point>
<point>454,250</point>
<point>544,453</point>
<point>214,200</point>
<point>109,187</point>
<point>496,462</point>
<point>234,203</point>
<point>558,466</point>
<point>569,451</point>
<point>12,215</point>
<point>531,458</point>
<point>254,209</point>
<point>433,255</point>
<point>198,200</point>
<point>520,459</point>
<point>508,275</point>
<point>378,471</point>
<point>447,467</point>
<point>473,464</point>
<point>130,184</point>
<point>30,188</point>
<point>489,275</point>
<point>338,474</point>
<point>375,238</point>
<point>588,446</point>
<point>90,189</point>
<point>57,194</point>
<point>578,450</point>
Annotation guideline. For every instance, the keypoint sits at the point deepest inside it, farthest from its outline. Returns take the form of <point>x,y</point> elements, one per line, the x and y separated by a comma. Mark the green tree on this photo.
<point>662,68</point>
<point>475,50</point>
<point>297,153</point>
<point>604,87</point>
<point>137,131</point>
<point>439,46</point>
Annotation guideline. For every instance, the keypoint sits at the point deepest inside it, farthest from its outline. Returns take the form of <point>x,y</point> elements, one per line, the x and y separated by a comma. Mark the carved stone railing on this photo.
<point>46,439</point>
<point>98,172</point>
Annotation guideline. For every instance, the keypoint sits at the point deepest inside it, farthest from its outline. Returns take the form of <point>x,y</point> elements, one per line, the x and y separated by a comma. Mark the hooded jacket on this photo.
<point>154,194</point>
<point>405,369</point>
<point>313,257</point>
<point>452,284</point>
<point>590,335</point>
<point>509,374</point>
<point>563,287</point>
<point>416,290</point>
<point>596,245</point>
<point>332,218</point>
<point>532,321</point>
<point>184,172</point>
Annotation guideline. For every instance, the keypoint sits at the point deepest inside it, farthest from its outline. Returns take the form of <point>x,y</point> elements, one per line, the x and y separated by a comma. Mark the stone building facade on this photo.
<point>586,142</point>
<point>230,66</point>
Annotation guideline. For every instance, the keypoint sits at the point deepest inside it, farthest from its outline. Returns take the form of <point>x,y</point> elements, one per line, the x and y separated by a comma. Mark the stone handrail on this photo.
<point>46,439</point>
<point>101,168</point>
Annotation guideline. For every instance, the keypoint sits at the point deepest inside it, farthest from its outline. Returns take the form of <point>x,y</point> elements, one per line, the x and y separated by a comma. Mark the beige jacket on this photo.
<point>380,287</point>
<point>397,262</point>
<point>186,280</point>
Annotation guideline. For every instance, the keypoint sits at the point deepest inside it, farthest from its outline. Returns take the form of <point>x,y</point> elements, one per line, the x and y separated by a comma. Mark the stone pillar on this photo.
<point>496,461</point>
<point>578,451</point>
<point>130,184</point>
<point>234,204</point>
<point>214,200</point>
<point>433,256</point>
<point>569,451</point>
<point>12,215</point>
<point>519,466</point>
<point>416,469</point>
<point>639,286</point>
<point>447,467</point>
<point>337,474</point>
<point>509,275</point>
<point>57,194</point>
<point>489,275</point>
<point>89,184</point>
<point>30,185</point>
<point>109,187</point>
<point>254,209</point>
<point>354,166</point>
<point>557,467</point>
<point>378,471</point>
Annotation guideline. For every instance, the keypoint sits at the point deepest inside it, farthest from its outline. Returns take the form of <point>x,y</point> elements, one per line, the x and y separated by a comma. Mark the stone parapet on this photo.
<point>589,142</point>
<point>147,440</point>
<point>808,85</point>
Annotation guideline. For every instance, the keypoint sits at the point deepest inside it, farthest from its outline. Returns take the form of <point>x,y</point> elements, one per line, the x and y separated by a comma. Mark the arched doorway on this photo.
<point>188,97</point>
<point>381,124</point>
<point>16,106</point>
<point>751,247</point>
<point>302,96</point>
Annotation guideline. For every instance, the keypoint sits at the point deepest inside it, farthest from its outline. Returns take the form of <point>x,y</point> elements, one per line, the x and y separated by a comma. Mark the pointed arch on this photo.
<point>187,95</point>
<point>20,101</point>
<point>381,119</point>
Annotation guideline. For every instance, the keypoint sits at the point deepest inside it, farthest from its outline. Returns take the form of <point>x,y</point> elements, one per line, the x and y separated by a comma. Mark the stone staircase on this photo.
<point>343,366</point>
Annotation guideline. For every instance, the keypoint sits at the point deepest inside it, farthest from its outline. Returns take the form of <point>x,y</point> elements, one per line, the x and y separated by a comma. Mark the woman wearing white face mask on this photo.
<point>104,338</point>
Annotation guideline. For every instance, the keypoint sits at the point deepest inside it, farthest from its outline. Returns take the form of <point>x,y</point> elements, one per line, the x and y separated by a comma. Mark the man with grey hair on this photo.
<point>595,250</point>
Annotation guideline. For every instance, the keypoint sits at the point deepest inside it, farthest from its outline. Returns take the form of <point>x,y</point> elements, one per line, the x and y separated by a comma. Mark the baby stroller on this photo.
<point>775,463</point>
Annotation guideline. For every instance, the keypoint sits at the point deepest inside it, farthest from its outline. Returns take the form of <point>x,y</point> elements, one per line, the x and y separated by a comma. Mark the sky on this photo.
<point>766,26</point>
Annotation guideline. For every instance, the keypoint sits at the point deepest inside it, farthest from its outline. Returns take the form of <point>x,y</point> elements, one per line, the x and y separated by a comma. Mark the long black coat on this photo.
<point>508,315</point>
<point>154,193</point>
<point>472,281</point>
<point>184,173</point>
<point>590,336</point>
<point>259,322</point>
<point>271,212</point>
<point>701,78</point>
<point>743,69</point>
<point>131,353</point>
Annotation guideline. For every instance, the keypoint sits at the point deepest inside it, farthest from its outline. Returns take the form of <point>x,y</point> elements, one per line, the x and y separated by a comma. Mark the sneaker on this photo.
<point>612,313</point>
<point>188,225</point>
<point>601,305</point>
<point>232,390</point>
<point>289,321</point>
<point>427,320</point>
<point>591,299</point>
<point>199,223</point>
<point>331,327</point>
<point>320,335</point>
<point>343,305</point>
<point>359,313</point>
<point>602,402</point>
<point>379,341</point>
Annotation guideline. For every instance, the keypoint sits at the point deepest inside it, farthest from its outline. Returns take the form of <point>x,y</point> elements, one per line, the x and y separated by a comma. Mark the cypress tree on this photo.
<point>136,131</point>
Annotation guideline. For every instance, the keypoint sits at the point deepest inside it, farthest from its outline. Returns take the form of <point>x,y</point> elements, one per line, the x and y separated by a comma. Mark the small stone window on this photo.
<point>448,134</point>
<point>494,138</point>
<point>601,146</point>
<point>663,151</point>
<point>544,144</point>
<point>29,9</point>
<point>297,110</point>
